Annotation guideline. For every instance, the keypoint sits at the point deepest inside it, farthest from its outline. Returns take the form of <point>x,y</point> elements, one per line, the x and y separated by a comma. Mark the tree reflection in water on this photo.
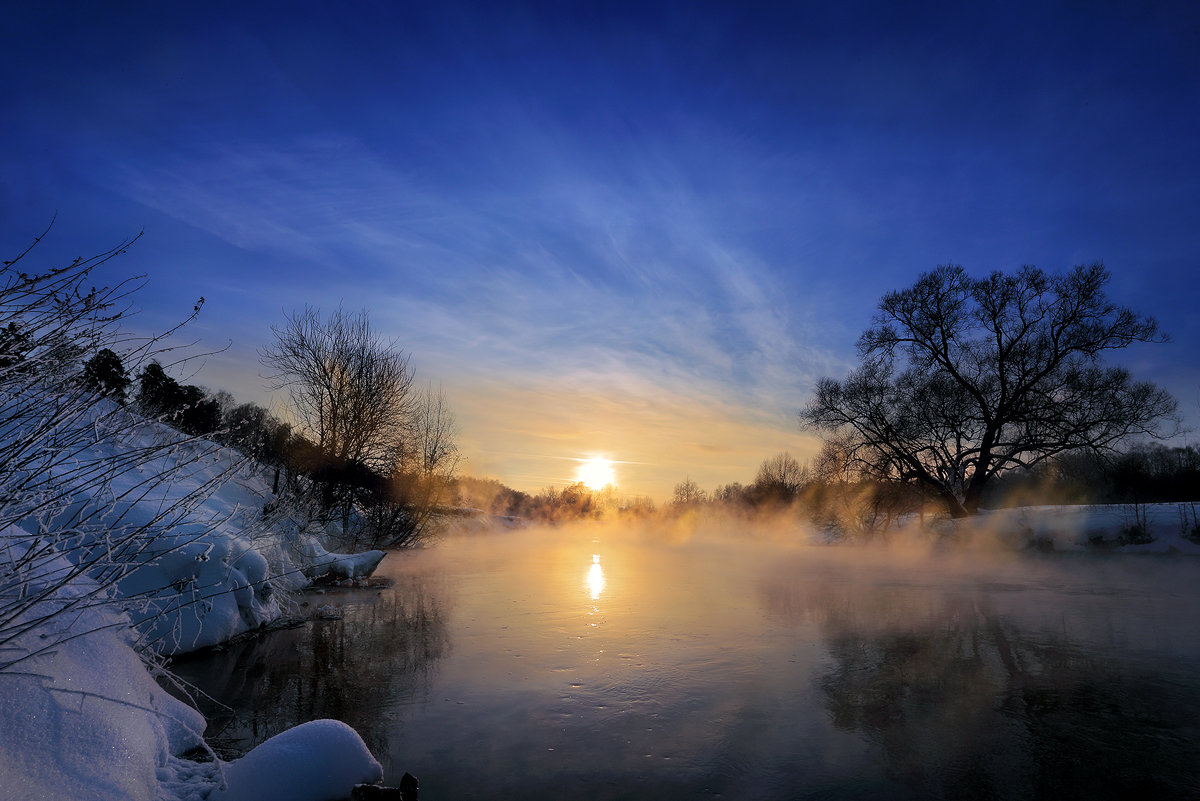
<point>382,652</point>
<point>967,698</point>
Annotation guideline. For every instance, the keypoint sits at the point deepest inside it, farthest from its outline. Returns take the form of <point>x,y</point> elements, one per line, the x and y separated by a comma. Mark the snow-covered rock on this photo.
<point>322,564</point>
<point>320,760</point>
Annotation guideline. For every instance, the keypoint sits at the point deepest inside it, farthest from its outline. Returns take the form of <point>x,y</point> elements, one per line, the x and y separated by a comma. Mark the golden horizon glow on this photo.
<point>596,473</point>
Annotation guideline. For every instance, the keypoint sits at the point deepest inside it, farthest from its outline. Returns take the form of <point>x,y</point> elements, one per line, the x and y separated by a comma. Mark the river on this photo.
<point>600,663</point>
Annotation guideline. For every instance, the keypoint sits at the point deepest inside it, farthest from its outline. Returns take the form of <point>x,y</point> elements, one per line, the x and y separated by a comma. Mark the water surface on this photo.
<point>592,663</point>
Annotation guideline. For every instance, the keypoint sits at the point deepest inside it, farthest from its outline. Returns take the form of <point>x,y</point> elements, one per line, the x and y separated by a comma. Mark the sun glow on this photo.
<point>597,473</point>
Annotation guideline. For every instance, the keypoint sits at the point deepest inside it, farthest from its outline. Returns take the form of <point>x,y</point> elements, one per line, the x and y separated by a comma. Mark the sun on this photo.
<point>597,473</point>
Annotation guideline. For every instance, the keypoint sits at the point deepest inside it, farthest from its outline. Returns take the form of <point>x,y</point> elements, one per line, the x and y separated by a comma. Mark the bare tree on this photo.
<point>963,379</point>
<point>688,493</point>
<point>780,478</point>
<point>351,389</point>
<point>435,434</point>
<point>422,485</point>
<point>849,499</point>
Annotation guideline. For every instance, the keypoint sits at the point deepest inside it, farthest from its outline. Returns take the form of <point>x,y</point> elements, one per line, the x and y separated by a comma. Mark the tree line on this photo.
<point>830,492</point>
<point>575,501</point>
<point>969,392</point>
<point>373,451</point>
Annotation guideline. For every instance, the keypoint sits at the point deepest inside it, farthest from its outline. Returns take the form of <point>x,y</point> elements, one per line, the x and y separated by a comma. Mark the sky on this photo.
<point>633,230</point>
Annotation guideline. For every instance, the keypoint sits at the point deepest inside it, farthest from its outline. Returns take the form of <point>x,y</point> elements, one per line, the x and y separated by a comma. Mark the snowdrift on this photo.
<point>1160,528</point>
<point>180,529</point>
<point>119,534</point>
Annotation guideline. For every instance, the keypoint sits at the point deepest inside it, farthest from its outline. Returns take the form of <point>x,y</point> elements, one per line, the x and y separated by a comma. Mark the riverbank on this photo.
<point>1162,528</point>
<point>88,720</point>
<point>149,544</point>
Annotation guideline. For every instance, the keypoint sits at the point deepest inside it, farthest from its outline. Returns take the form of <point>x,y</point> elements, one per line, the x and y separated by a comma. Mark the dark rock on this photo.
<point>407,791</point>
<point>375,792</point>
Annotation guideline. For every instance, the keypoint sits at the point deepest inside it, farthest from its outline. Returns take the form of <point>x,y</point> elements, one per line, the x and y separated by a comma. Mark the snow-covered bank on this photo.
<point>85,719</point>
<point>139,539</point>
<point>185,533</point>
<point>1161,528</point>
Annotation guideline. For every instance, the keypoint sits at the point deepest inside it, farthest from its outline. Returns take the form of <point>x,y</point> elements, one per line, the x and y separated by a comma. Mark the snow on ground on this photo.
<point>1160,528</point>
<point>171,550</point>
<point>189,530</point>
<point>84,719</point>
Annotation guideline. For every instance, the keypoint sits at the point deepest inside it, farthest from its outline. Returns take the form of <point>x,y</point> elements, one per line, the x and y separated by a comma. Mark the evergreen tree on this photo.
<point>104,373</point>
<point>15,344</point>
<point>158,393</point>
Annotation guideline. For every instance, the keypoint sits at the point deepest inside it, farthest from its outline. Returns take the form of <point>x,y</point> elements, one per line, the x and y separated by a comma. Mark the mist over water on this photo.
<point>598,662</point>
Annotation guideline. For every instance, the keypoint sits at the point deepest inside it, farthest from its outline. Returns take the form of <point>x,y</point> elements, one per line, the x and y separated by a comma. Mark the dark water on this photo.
<point>593,664</point>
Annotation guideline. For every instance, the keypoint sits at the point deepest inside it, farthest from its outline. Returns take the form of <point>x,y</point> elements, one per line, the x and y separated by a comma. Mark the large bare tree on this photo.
<point>349,387</point>
<point>963,379</point>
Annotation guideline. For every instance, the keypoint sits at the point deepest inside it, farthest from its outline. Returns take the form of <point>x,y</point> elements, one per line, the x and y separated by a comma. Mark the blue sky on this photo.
<point>640,230</point>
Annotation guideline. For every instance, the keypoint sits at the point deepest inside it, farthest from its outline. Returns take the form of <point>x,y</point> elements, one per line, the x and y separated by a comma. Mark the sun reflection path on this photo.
<point>595,578</point>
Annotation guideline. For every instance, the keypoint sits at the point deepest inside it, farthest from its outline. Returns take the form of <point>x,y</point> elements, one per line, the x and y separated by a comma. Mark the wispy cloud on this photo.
<point>576,290</point>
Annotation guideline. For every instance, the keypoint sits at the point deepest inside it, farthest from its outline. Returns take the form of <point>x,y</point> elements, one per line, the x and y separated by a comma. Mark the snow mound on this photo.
<point>322,564</point>
<point>320,760</point>
<point>83,719</point>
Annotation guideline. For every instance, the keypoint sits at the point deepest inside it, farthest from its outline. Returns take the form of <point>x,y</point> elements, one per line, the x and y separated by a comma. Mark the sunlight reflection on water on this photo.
<point>595,578</point>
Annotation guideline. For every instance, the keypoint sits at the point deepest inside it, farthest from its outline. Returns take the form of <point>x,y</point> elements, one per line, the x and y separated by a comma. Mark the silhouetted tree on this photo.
<point>1156,473</point>
<point>843,498</point>
<point>493,497</point>
<point>779,480</point>
<point>577,500</point>
<point>15,344</point>
<point>105,373</point>
<point>196,413</point>
<point>732,494</point>
<point>422,484</point>
<point>158,393</point>
<point>184,406</point>
<point>963,379</point>
<point>246,428</point>
<point>687,493</point>
<point>349,387</point>
<point>637,506</point>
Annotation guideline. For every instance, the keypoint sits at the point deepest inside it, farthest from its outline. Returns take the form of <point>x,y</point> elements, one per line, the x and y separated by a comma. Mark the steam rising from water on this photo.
<point>711,657</point>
